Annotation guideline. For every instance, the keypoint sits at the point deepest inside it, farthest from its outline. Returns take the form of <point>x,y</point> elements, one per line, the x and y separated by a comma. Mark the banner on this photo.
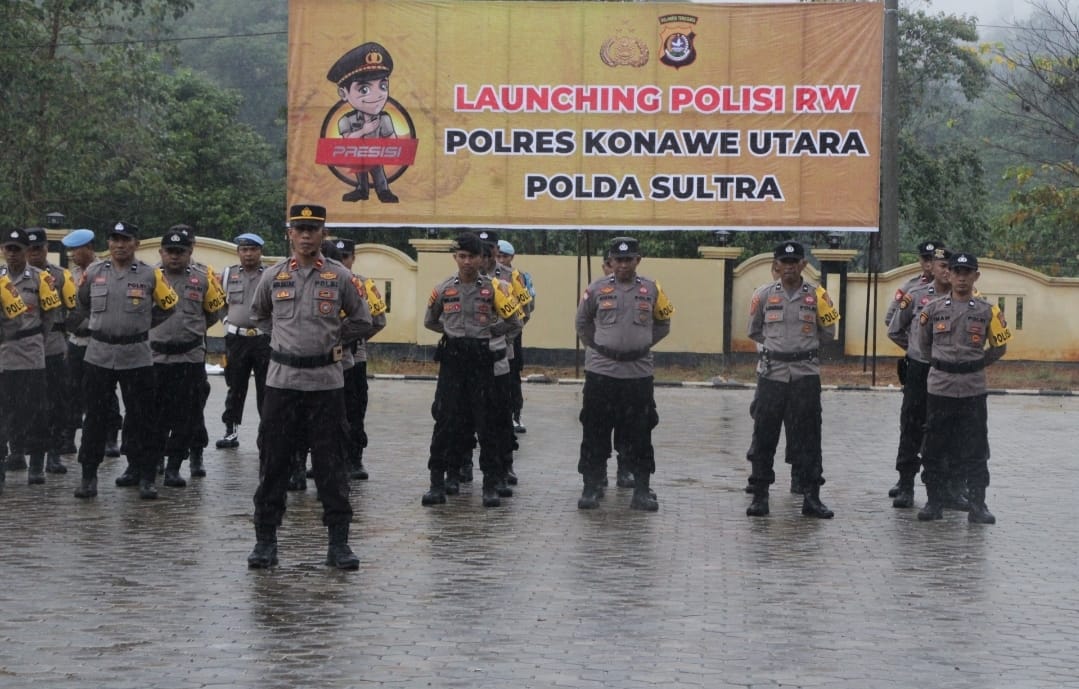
<point>586,115</point>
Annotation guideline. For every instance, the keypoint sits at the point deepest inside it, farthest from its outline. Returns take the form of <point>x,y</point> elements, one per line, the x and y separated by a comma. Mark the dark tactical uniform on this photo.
<point>13,307</point>
<point>790,326</point>
<point>313,312</point>
<point>619,323</point>
<point>247,347</point>
<point>56,371</point>
<point>179,353</point>
<point>469,316</point>
<point>122,305</point>
<point>23,392</point>
<point>961,337</point>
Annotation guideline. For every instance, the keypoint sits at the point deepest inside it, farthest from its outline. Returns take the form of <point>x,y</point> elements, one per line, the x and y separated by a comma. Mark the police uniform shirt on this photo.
<point>78,325</point>
<point>23,346</point>
<point>624,318</point>
<point>791,324</point>
<point>480,309</point>
<point>239,289</point>
<point>200,306</point>
<point>310,311</point>
<point>354,121</point>
<point>958,332</point>
<point>12,303</point>
<point>904,326</point>
<point>123,303</point>
<point>64,283</point>
<point>909,285</point>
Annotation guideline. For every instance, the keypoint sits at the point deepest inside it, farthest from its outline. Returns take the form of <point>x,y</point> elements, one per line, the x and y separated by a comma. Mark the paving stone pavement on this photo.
<point>118,592</point>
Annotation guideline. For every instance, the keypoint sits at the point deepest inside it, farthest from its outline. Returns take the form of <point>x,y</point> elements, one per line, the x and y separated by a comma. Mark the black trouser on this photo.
<point>912,420</point>
<point>956,431</point>
<point>23,410</point>
<point>178,395</point>
<point>796,403</point>
<point>244,356</point>
<point>291,421</point>
<point>500,421</point>
<point>462,396</point>
<point>77,400</point>
<point>57,404</point>
<point>142,441</point>
<point>626,404</point>
<point>517,364</point>
<point>356,409</point>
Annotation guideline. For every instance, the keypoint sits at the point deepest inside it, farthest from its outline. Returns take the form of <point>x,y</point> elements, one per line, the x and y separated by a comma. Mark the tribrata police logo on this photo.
<point>676,40</point>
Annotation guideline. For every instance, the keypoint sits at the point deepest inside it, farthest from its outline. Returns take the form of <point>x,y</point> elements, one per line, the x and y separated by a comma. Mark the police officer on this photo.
<point>469,309</point>
<point>247,347</point>
<point>56,373</point>
<point>619,319</point>
<point>926,251</point>
<point>961,334</point>
<point>313,311</point>
<point>24,393</point>
<point>12,307</point>
<point>179,352</point>
<point>789,318</point>
<point>80,250</point>
<point>903,330</point>
<point>525,293</point>
<point>356,388</point>
<point>123,297</point>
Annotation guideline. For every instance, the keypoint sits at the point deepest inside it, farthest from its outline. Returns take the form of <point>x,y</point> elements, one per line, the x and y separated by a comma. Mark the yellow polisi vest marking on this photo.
<point>505,303</point>
<point>827,313</point>
<point>10,299</point>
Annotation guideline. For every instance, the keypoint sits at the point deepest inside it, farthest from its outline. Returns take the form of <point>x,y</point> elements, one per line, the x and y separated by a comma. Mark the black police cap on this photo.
<point>789,249</point>
<point>16,237</point>
<point>962,259</point>
<point>468,242</point>
<point>926,249</point>
<point>365,62</point>
<point>306,214</point>
<point>36,236</point>
<point>126,229</point>
<point>624,246</point>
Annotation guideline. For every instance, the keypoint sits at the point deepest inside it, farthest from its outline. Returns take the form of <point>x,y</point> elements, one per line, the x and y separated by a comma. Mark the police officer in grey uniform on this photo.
<point>13,307</point>
<point>56,373</point>
<point>312,310</point>
<point>903,330</point>
<point>179,352</point>
<point>619,319</point>
<point>962,335</point>
<point>23,390</point>
<point>469,309</point>
<point>247,347</point>
<point>123,297</point>
<point>789,318</point>
<point>926,252</point>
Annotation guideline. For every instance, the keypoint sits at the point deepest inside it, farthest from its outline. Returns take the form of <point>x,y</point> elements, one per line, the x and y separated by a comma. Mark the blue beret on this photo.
<point>248,239</point>
<point>505,247</point>
<point>77,238</point>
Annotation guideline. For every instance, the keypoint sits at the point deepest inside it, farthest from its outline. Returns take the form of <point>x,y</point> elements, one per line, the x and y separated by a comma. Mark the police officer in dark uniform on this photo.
<point>123,298</point>
<point>56,373</point>
<point>961,334</point>
<point>179,352</point>
<point>903,330</point>
<point>619,319</point>
<point>247,348</point>
<point>789,318</point>
<point>312,310</point>
<point>469,309</point>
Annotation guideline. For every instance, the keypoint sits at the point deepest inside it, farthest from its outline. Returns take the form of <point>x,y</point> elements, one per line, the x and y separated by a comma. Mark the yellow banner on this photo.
<point>548,115</point>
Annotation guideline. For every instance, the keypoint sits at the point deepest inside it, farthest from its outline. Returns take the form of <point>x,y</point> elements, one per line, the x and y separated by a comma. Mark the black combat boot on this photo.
<point>436,495</point>
<point>934,506</point>
<point>590,496</point>
<point>231,439</point>
<point>129,478</point>
<point>147,489</point>
<point>904,498</point>
<point>53,464</point>
<point>466,472</point>
<point>172,472</point>
<point>36,473</point>
<point>356,470</point>
<point>759,506</point>
<point>490,491</point>
<point>338,554</point>
<point>797,485</point>
<point>198,469</point>
<point>813,507</point>
<point>264,555</point>
<point>502,487</point>
<point>643,497</point>
<point>979,513</point>
<point>88,485</point>
<point>894,490</point>
<point>624,478</point>
<point>955,497</point>
<point>112,448</point>
<point>511,477</point>
<point>453,483</point>
<point>297,479</point>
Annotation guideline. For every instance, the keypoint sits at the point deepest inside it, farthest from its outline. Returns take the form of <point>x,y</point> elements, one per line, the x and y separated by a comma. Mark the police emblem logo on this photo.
<point>306,212</point>
<point>961,259</point>
<point>174,238</point>
<point>283,294</point>
<point>623,247</point>
<point>789,249</point>
<point>623,50</point>
<point>340,245</point>
<point>328,275</point>
<point>325,307</point>
<point>280,276</point>
<point>929,247</point>
<point>14,235</point>
<point>119,227</point>
<point>676,40</point>
<point>606,290</point>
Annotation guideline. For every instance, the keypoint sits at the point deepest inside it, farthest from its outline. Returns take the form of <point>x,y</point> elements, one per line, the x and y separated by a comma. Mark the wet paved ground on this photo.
<point>118,592</point>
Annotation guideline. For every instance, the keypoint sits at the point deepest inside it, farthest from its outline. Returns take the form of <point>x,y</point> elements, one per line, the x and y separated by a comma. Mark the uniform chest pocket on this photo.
<point>774,316</point>
<point>942,329</point>
<point>236,294</point>
<point>482,314</point>
<point>284,302</point>
<point>807,315</point>
<point>607,312</point>
<point>326,302</point>
<point>137,299</point>
<point>192,300</point>
<point>99,298</point>
<point>975,333</point>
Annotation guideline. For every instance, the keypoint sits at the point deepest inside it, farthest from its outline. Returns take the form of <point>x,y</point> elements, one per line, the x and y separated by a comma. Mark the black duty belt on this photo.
<point>175,347</point>
<point>315,361</point>
<point>119,339</point>
<point>790,356</point>
<point>59,328</point>
<point>960,366</point>
<point>22,334</point>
